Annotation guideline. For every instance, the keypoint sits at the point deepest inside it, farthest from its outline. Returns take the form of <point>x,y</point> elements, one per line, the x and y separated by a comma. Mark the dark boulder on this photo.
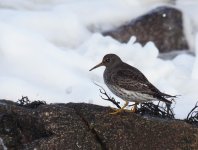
<point>86,126</point>
<point>163,26</point>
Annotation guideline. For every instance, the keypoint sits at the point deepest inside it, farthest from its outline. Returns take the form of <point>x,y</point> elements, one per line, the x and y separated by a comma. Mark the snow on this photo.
<point>195,70</point>
<point>48,46</point>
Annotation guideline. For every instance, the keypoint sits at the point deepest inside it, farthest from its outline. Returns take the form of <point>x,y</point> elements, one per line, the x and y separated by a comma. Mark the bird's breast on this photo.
<point>107,77</point>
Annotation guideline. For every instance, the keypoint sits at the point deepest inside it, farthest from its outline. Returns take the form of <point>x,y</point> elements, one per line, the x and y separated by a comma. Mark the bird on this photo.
<point>129,83</point>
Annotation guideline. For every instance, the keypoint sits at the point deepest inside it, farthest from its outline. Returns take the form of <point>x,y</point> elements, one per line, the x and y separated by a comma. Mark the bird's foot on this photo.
<point>121,109</point>
<point>116,112</point>
<point>134,108</point>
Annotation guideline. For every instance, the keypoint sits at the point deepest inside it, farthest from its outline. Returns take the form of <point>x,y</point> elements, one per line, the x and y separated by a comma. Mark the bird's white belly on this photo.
<point>130,95</point>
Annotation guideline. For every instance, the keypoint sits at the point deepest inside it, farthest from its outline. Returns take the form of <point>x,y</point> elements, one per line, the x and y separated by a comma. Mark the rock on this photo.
<point>87,126</point>
<point>163,26</point>
<point>47,127</point>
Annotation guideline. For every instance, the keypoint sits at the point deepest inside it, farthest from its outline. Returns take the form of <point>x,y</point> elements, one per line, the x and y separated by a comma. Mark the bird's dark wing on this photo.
<point>133,80</point>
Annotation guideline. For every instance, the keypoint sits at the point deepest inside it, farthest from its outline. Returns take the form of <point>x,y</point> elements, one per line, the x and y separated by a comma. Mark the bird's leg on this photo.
<point>121,109</point>
<point>134,108</point>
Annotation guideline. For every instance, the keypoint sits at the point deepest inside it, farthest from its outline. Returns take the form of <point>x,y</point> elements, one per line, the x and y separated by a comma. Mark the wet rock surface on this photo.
<point>163,26</point>
<point>86,126</point>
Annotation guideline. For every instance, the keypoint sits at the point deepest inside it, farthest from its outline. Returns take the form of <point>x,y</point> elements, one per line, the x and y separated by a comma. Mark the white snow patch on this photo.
<point>195,66</point>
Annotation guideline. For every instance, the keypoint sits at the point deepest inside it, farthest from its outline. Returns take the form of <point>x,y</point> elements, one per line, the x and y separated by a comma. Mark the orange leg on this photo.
<point>134,108</point>
<point>121,109</point>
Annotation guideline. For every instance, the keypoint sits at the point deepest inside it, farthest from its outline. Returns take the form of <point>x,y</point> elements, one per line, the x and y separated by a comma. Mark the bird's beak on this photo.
<point>98,65</point>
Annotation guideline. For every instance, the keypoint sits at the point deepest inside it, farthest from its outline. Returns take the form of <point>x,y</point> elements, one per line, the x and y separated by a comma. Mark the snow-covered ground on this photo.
<point>48,46</point>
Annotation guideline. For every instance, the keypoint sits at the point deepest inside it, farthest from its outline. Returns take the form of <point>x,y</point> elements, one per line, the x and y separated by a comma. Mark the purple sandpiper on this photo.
<point>128,83</point>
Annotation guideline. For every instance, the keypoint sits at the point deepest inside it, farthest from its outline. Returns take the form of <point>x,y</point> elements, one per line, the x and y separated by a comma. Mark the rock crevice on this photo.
<point>91,128</point>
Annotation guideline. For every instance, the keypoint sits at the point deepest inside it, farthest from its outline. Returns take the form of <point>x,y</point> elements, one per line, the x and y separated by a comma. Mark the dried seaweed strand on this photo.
<point>108,98</point>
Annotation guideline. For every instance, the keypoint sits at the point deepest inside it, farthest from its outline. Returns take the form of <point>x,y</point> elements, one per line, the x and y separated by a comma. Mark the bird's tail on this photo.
<point>165,100</point>
<point>164,96</point>
<point>167,95</point>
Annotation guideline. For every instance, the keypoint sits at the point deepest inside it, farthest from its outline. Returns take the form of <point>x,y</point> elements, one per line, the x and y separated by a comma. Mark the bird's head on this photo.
<point>108,61</point>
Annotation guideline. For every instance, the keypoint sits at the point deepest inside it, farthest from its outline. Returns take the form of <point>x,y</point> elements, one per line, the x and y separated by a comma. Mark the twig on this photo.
<point>192,117</point>
<point>111,99</point>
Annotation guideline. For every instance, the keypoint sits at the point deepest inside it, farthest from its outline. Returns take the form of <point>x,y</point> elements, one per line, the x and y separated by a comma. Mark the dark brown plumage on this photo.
<point>128,83</point>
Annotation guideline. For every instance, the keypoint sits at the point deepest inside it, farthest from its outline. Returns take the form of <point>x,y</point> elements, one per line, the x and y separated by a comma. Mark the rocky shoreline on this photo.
<point>88,126</point>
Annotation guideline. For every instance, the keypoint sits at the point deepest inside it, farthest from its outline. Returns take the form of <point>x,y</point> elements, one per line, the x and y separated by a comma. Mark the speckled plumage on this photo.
<point>128,83</point>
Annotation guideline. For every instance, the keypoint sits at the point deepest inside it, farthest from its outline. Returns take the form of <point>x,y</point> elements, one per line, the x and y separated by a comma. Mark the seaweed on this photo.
<point>25,102</point>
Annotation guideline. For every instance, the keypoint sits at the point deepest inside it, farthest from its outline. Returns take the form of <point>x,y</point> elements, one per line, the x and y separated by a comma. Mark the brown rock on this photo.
<point>86,126</point>
<point>47,127</point>
<point>163,26</point>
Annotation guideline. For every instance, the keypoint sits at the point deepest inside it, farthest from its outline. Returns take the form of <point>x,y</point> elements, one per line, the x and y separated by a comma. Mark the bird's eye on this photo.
<point>107,60</point>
